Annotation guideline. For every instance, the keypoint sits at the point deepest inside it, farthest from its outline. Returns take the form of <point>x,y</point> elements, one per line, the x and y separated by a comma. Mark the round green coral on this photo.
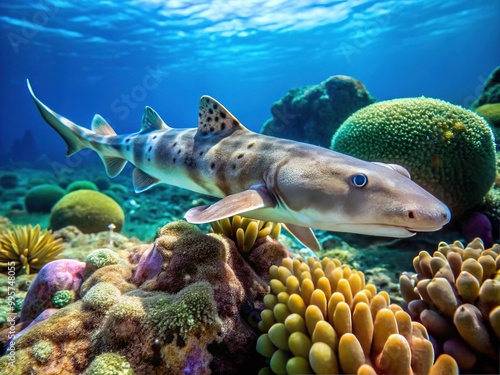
<point>90,211</point>
<point>42,350</point>
<point>491,113</point>
<point>187,311</point>
<point>448,150</point>
<point>81,185</point>
<point>109,364</point>
<point>101,296</point>
<point>100,258</point>
<point>62,298</point>
<point>42,198</point>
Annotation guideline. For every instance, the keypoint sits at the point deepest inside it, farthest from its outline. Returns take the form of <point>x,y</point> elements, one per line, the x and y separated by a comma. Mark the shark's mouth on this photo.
<point>383,230</point>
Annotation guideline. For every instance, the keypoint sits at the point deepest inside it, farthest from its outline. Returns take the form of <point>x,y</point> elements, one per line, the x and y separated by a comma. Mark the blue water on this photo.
<point>115,57</point>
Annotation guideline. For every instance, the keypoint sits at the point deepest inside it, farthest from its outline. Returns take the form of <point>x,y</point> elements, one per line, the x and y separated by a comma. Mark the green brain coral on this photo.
<point>109,364</point>
<point>81,185</point>
<point>90,211</point>
<point>42,198</point>
<point>448,150</point>
<point>62,298</point>
<point>188,311</point>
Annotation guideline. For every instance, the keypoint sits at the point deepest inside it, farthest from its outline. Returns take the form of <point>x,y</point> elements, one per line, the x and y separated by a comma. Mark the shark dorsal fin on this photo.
<point>215,120</point>
<point>152,121</point>
<point>101,126</point>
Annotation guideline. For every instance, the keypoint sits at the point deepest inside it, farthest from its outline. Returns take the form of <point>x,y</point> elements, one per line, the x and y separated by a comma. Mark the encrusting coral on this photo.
<point>186,305</point>
<point>29,248</point>
<point>244,231</point>
<point>456,296</point>
<point>321,318</point>
<point>448,150</point>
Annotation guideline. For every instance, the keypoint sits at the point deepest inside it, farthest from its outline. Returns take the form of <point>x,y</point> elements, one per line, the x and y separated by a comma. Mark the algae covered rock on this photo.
<point>42,198</point>
<point>448,150</point>
<point>312,113</point>
<point>89,210</point>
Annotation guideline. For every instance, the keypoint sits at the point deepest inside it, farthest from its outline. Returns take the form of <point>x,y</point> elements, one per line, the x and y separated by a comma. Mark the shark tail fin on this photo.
<point>75,136</point>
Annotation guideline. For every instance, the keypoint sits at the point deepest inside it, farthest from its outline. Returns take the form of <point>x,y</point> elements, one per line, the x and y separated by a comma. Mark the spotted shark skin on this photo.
<point>261,177</point>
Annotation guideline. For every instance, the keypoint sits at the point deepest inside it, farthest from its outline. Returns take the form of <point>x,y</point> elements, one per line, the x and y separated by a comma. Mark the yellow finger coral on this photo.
<point>322,318</point>
<point>28,248</point>
<point>245,231</point>
<point>456,296</point>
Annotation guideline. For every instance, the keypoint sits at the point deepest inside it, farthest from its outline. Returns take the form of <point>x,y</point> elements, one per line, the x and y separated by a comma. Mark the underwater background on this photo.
<point>96,279</point>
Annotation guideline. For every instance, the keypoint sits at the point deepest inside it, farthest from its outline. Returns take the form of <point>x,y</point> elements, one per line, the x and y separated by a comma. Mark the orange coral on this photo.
<point>322,318</point>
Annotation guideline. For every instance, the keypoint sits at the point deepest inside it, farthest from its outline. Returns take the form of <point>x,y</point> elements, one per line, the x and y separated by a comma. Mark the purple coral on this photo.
<point>478,225</point>
<point>63,274</point>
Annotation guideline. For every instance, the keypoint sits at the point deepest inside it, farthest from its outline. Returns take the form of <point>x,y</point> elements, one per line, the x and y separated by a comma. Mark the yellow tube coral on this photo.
<point>339,324</point>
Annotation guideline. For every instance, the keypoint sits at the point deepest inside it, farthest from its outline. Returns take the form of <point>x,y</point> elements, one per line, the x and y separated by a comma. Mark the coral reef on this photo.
<point>244,231</point>
<point>456,296</point>
<point>81,185</point>
<point>491,90</point>
<point>42,198</point>
<point>322,318</point>
<point>88,210</point>
<point>59,275</point>
<point>28,248</point>
<point>491,113</point>
<point>193,311</point>
<point>312,114</point>
<point>448,150</point>
<point>9,180</point>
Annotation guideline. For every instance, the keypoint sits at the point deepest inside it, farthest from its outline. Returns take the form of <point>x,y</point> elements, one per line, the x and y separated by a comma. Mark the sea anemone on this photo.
<point>28,248</point>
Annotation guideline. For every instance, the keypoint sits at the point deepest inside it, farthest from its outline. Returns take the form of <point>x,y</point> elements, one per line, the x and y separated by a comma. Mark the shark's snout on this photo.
<point>428,219</point>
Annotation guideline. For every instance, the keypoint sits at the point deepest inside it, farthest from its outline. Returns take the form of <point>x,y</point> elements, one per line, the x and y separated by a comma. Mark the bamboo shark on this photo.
<point>261,177</point>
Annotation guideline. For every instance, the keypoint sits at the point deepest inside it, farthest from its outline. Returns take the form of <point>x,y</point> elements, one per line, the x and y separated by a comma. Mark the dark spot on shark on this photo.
<point>127,140</point>
<point>215,106</point>
<point>149,159</point>
<point>179,151</point>
<point>174,160</point>
<point>209,119</point>
<point>240,156</point>
<point>199,114</point>
<point>233,166</point>
<point>212,166</point>
<point>223,115</point>
<point>150,148</point>
<point>201,153</point>
<point>235,123</point>
<point>155,137</point>
<point>216,118</point>
<point>211,111</point>
<point>222,126</point>
<point>250,145</point>
<point>212,129</point>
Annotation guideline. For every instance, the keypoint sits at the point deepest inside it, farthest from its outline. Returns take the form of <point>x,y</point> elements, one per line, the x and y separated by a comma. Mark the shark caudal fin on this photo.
<point>72,134</point>
<point>76,137</point>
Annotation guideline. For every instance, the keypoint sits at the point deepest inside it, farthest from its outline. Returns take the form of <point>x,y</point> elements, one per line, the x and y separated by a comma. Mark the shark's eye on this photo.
<point>359,180</point>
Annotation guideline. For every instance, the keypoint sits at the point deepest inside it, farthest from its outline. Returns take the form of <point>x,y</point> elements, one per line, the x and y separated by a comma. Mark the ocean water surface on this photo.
<point>115,57</point>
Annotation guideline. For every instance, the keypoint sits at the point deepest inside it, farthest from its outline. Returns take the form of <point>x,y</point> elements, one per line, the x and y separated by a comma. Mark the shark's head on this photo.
<point>351,195</point>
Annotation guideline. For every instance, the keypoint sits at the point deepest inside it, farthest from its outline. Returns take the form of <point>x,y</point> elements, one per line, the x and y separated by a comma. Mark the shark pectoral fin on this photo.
<point>231,205</point>
<point>113,165</point>
<point>143,181</point>
<point>304,235</point>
